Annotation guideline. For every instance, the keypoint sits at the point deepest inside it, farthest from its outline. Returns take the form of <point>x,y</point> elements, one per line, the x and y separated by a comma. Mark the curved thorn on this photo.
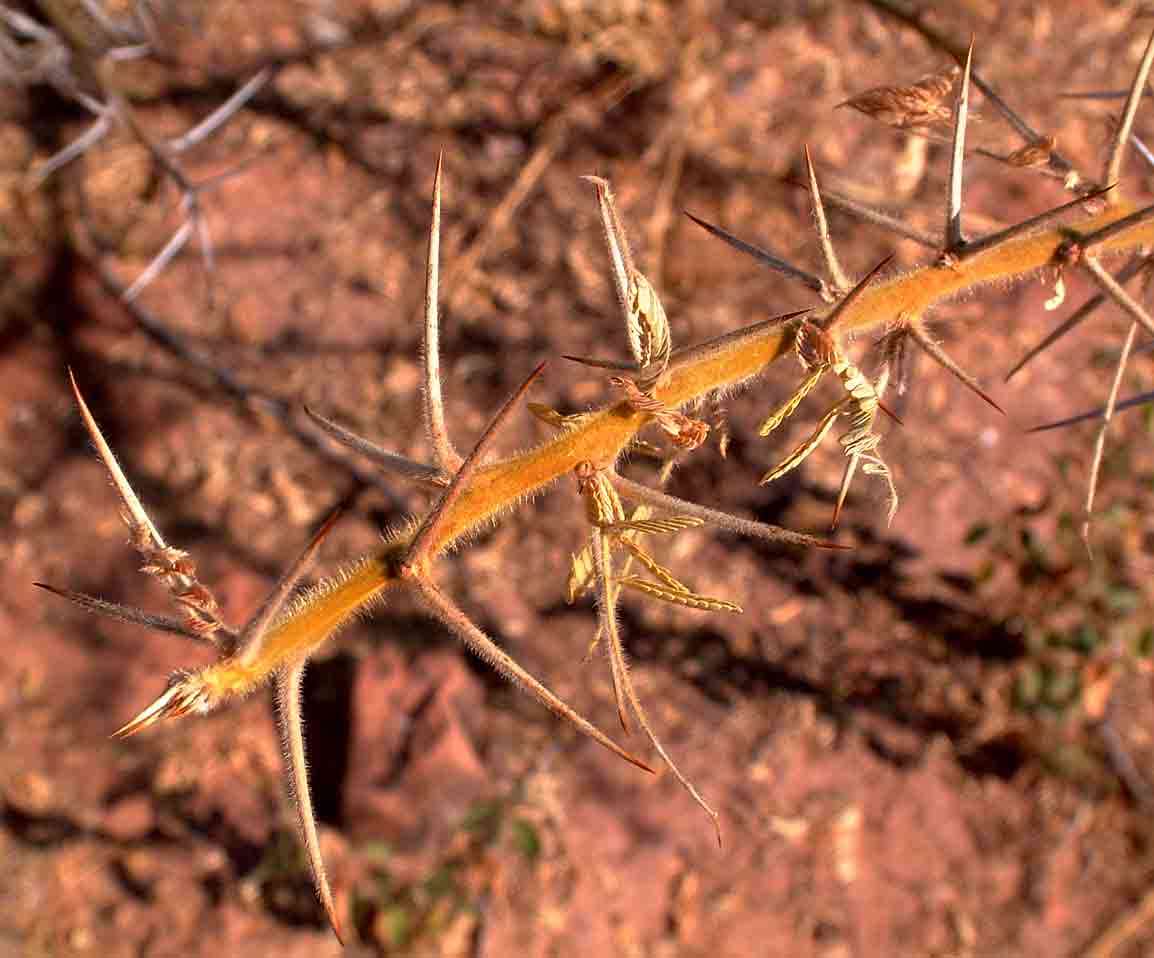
<point>290,719</point>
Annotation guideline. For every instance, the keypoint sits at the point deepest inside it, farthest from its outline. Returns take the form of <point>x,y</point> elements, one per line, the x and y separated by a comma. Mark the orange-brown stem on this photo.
<point>604,434</point>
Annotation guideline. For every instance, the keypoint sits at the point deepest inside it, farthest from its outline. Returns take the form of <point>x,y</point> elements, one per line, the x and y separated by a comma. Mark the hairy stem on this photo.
<point>604,434</point>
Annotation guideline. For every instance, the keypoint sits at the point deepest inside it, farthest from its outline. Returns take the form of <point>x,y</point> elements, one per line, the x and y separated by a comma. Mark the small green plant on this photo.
<point>656,393</point>
<point>1085,646</point>
<point>404,915</point>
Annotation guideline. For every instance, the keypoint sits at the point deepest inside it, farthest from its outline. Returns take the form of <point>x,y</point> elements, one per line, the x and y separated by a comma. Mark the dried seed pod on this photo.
<point>647,326</point>
<point>1034,154</point>
<point>787,408</point>
<point>655,568</point>
<point>602,504</point>
<point>664,525</point>
<point>583,566</point>
<point>691,600</point>
<point>802,452</point>
<point>913,107</point>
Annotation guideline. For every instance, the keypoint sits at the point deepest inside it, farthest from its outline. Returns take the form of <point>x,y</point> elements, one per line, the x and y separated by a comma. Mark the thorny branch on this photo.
<point>289,626</point>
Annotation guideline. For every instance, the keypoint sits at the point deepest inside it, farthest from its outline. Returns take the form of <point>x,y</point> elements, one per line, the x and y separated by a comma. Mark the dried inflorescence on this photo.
<point>818,352</point>
<point>654,389</point>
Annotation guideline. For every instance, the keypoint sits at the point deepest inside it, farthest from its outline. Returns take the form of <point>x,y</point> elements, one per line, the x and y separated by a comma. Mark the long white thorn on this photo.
<point>955,239</point>
<point>620,256</point>
<point>837,275</point>
<point>444,455</point>
<point>288,695</point>
<point>1100,439</point>
<point>167,254</point>
<point>1112,288</point>
<point>621,675</point>
<point>637,492</point>
<point>136,515</point>
<point>1126,125</point>
<point>879,218</point>
<point>77,147</point>
<point>1080,315</point>
<point>222,114</point>
<point>390,462</point>
<point>607,622</point>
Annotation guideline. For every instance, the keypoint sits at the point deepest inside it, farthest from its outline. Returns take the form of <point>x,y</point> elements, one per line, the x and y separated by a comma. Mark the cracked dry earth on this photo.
<point>900,738</point>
